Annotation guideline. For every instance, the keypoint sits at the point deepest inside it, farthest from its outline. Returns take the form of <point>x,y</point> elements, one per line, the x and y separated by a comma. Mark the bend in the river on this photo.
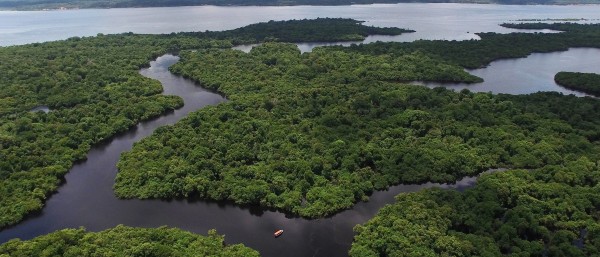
<point>87,198</point>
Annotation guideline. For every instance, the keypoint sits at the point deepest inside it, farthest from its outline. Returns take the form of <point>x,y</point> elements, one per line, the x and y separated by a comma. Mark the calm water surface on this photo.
<point>431,21</point>
<point>531,74</point>
<point>41,108</point>
<point>87,199</point>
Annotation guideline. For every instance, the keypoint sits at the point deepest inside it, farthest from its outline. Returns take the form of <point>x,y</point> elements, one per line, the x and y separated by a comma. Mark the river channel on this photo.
<point>87,198</point>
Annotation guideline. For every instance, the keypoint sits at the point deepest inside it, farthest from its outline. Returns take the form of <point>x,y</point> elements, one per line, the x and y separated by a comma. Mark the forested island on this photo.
<point>316,30</point>
<point>584,82</point>
<point>474,54</point>
<point>125,241</point>
<point>310,134</point>
<point>76,4</point>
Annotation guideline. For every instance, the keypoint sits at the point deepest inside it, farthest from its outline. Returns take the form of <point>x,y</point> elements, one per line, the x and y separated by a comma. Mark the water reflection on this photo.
<point>41,108</point>
<point>308,46</point>
<point>303,47</point>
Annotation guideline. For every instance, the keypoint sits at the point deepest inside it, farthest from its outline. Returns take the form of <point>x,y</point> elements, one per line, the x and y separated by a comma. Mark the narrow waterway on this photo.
<point>87,199</point>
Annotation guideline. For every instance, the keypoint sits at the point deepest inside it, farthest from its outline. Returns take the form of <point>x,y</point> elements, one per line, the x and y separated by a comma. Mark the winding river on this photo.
<point>87,199</point>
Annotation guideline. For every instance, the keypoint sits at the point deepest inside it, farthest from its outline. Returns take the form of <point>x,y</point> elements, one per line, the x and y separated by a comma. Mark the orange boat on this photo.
<point>278,233</point>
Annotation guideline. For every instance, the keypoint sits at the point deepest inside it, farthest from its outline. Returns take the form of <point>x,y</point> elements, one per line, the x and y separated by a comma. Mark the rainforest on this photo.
<point>310,134</point>
<point>586,82</point>
<point>93,90</point>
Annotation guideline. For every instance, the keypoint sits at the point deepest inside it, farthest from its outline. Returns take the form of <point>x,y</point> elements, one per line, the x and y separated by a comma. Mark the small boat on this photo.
<point>278,233</point>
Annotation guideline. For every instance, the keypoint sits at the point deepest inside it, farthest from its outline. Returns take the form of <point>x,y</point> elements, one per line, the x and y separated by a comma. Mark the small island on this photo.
<point>584,82</point>
<point>305,30</point>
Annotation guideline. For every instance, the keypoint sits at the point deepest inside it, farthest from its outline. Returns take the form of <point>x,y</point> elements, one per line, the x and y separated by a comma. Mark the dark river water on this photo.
<point>87,199</point>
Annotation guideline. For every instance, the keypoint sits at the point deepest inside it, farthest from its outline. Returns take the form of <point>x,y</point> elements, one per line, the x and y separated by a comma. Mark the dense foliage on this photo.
<point>547,211</point>
<point>585,82</point>
<point>317,30</point>
<point>313,133</point>
<point>560,26</point>
<point>124,241</point>
<point>53,4</point>
<point>493,46</point>
<point>551,211</point>
<point>94,91</point>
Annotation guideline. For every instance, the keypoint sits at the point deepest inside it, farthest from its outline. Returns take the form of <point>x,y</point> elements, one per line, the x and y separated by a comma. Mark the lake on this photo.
<point>86,199</point>
<point>431,21</point>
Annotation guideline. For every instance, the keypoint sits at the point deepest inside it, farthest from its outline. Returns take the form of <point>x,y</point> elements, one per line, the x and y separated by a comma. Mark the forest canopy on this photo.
<point>313,133</point>
<point>123,241</point>
<point>585,82</point>
<point>93,90</point>
<point>546,211</point>
<point>550,211</point>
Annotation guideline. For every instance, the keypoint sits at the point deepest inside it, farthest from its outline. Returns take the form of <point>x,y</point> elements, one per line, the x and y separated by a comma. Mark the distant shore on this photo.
<point>49,5</point>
